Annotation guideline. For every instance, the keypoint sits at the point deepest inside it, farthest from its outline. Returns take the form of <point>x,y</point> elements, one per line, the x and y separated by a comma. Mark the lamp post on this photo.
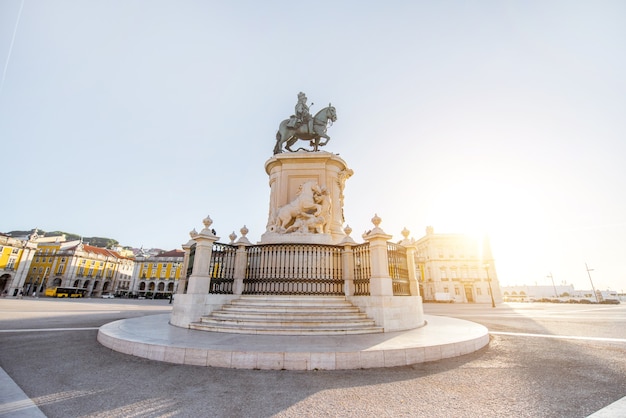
<point>592,288</point>
<point>493,303</point>
<point>556,294</point>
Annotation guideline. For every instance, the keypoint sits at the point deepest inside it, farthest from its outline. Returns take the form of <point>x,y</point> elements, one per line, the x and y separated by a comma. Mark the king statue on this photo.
<point>303,126</point>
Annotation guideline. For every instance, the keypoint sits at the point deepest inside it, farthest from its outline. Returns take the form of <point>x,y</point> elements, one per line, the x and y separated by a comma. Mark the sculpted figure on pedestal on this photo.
<point>302,114</point>
<point>303,126</point>
<point>309,212</point>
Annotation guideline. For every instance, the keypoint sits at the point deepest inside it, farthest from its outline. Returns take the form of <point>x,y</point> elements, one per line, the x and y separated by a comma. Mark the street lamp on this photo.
<point>556,294</point>
<point>592,288</point>
<point>493,303</point>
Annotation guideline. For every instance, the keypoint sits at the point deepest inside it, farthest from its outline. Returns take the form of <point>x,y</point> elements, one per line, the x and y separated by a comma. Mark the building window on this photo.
<point>457,291</point>
<point>478,291</point>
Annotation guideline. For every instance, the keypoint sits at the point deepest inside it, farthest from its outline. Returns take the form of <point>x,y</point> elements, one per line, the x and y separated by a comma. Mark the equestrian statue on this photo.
<point>303,126</point>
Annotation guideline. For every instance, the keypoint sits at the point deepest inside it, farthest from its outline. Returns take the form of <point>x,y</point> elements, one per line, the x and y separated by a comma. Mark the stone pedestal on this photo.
<point>288,172</point>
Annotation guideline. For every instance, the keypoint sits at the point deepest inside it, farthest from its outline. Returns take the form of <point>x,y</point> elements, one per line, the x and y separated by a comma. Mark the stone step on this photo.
<point>299,298</point>
<point>287,323</point>
<point>320,301</point>
<point>312,315</point>
<point>336,310</point>
<point>286,330</point>
<point>288,315</point>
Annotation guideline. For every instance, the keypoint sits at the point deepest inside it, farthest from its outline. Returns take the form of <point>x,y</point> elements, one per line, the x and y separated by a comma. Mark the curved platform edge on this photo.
<point>153,338</point>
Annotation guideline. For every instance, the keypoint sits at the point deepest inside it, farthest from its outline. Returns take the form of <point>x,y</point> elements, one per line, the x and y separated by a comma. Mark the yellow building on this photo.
<point>75,264</point>
<point>15,258</point>
<point>456,268</point>
<point>156,276</point>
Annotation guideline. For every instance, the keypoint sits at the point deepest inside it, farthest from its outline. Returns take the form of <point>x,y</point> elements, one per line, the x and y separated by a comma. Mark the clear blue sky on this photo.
<point>136,119</point>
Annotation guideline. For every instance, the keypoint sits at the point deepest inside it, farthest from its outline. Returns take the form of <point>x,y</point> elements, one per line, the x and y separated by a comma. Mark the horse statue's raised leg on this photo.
<point>321,144</point>
<point>290,142</point>
<point>315,142</point>
<point>278,147</point>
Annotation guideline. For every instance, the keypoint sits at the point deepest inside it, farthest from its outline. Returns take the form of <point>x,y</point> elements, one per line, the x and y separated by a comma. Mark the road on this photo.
<point>543,360</point>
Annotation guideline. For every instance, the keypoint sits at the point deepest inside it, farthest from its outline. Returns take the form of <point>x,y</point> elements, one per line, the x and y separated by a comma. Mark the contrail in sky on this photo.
<point>6,65</point>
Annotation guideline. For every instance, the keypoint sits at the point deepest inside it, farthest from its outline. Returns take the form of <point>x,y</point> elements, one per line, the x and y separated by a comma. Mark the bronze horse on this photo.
<point>291,135</point>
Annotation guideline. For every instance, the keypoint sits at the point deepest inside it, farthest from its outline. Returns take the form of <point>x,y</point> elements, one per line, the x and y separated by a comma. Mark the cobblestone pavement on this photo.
<point>543,361</point>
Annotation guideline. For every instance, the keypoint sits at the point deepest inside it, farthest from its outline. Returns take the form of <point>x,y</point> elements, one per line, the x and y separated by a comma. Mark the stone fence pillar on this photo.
<point>347,264</point>
<point>200,278</point>
<point>241,262</point>
<point>412,266</point>
<point>182,281</point>
<point>380,281</point>
<point>411,248</point>
<point>189,307</point>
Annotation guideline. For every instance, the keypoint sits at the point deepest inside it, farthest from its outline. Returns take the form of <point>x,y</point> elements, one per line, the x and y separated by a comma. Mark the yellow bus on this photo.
<point>65,292</point>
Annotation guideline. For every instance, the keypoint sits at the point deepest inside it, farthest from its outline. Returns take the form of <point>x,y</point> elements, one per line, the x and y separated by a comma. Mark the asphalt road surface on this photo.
<point>543,360</point>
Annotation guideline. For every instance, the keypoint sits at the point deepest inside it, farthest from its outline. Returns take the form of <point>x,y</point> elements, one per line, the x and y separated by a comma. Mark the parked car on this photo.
<point>108,296</point>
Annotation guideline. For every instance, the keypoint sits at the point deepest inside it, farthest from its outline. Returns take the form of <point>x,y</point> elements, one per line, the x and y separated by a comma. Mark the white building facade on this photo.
<point>457,268</point>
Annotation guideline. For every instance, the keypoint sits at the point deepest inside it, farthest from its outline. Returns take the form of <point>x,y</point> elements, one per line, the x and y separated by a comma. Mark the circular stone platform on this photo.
<point>152,337</point>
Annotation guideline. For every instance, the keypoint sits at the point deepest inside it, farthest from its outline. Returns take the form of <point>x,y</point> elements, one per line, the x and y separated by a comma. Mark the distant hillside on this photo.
<point>95,241</point>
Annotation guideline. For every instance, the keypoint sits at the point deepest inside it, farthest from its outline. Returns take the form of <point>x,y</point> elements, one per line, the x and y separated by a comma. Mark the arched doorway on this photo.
<point>5,279</point>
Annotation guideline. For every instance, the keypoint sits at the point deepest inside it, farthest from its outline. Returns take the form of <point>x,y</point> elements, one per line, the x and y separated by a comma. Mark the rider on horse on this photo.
<point>302,114</point>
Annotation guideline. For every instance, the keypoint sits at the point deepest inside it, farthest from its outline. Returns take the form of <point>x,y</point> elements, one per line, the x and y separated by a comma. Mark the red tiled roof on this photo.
<point>172,253</point>
<point>101,251</point>
<point>97,250</point>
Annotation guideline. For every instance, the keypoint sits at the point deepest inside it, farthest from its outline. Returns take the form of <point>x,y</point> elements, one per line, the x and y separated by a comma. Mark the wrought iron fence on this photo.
<point>293,269</point>
<point>298,269</point>
<point>222,268</point>
<point>362,269</point>
<point>398,269</point>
